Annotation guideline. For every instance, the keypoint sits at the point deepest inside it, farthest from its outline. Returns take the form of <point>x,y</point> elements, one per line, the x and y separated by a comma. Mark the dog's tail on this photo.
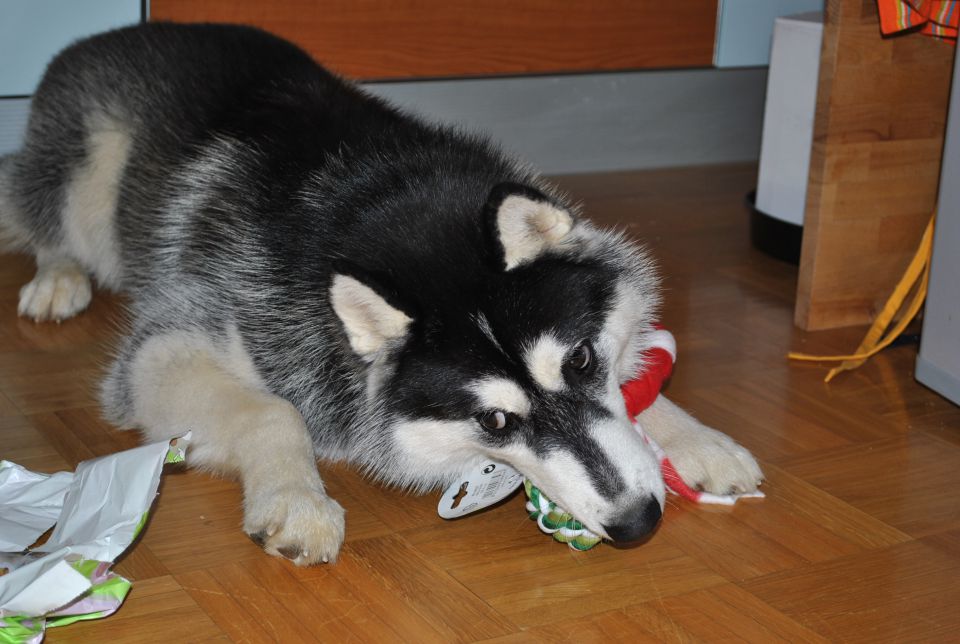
<point>12,235</point>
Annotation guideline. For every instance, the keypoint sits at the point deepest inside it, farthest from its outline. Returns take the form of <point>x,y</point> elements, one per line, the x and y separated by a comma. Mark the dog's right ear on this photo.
<point>524,223</point>
<point>369,319</point>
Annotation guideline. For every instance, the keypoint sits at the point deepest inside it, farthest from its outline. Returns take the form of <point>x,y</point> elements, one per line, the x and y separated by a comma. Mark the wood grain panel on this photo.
<point>845,603</point>
<point>380,39</point>
<point>875,164</point>
<point>721,614</point>
<point>922,464</point>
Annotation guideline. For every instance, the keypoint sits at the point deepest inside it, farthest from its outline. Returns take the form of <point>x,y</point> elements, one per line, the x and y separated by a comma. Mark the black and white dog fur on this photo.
<point>313,273</point>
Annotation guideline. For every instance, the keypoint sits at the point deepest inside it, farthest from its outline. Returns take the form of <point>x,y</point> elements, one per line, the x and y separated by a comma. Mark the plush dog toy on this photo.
<point>638,394</point>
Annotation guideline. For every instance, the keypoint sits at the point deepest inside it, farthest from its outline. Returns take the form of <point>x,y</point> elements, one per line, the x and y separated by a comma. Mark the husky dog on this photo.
<point>314,273</point>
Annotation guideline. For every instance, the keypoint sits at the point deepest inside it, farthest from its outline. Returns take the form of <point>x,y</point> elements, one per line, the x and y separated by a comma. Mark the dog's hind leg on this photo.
<point>178,381</point>
<point>60,200</point>
<point>59,290</point>
<point>61,287</point>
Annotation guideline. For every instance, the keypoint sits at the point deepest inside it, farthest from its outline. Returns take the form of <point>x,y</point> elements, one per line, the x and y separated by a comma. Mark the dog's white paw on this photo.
<point>297,523</point>
<point>58,291</point>
<point>711,461</point>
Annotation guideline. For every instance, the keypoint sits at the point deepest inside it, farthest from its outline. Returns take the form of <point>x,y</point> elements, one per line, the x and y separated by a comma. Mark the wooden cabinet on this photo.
<point>381,39</point>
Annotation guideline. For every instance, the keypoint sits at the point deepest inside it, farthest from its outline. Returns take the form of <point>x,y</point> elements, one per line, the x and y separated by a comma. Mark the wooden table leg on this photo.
<point>874,166</point>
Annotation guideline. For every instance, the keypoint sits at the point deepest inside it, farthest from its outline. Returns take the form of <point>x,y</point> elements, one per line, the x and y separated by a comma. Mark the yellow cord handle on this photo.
<point>919,268</point>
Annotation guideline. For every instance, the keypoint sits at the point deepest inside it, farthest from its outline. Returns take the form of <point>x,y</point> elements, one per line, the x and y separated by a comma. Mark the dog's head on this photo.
<point>523,366</point>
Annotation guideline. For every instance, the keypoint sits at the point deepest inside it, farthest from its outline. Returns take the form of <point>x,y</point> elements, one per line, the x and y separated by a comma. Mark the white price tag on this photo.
<point>478,488</point>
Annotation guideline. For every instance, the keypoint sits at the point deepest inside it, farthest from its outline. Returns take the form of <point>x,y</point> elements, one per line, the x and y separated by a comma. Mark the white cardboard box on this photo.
<point>788,116</point>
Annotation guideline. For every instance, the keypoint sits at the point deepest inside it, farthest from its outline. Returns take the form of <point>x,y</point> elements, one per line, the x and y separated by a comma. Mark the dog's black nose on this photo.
<point>637,522</point>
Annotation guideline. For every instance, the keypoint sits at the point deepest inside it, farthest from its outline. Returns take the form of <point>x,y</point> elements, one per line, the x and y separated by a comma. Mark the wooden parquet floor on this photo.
<point>857,540</point>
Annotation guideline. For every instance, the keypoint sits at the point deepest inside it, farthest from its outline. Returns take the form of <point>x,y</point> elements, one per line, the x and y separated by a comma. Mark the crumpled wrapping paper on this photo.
<point>96,513</point>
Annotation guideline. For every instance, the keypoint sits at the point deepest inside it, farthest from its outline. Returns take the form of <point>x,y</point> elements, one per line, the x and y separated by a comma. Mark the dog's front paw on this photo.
<point>56,293</point>
<point>297,523</point>
<point>711,461</point>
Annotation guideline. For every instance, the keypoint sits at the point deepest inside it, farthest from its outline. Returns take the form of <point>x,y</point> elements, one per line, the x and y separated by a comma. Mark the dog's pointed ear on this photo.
<point>525,223</point>
<point>370,320</point>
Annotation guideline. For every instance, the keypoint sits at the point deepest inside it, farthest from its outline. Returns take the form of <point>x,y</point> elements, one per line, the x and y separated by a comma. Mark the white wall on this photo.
<point>744,28</point>
<point>32,31</point>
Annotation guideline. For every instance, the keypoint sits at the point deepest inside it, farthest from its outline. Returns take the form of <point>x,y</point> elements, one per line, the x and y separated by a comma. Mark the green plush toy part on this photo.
<point>553,520</point>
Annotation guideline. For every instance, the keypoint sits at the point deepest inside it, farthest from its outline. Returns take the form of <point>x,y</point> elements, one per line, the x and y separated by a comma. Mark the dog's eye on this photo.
<point>581,358</point>
<point>493,420</point>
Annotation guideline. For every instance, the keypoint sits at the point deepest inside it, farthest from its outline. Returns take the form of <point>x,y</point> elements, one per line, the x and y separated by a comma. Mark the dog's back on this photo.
<point>117,115</point>
<point>217,174</point>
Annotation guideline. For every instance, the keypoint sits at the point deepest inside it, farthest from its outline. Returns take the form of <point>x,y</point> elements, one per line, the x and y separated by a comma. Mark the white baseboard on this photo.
<point>944,383</point>
<point>13,122</point>
<point>578,123</point>
<point>601,122</point>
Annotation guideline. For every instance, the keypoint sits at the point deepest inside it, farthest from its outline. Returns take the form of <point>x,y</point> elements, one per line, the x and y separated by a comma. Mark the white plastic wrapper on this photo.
<point>97,512</point>
<point>29,504</point>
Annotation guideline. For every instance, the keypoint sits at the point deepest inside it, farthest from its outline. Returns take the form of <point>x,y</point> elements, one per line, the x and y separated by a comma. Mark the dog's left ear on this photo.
<point>525,223</point>
<point>369,319</point>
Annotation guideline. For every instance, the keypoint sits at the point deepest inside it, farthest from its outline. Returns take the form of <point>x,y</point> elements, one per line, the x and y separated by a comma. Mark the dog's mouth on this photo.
<point>618,498</point>
<point>635,525</point>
